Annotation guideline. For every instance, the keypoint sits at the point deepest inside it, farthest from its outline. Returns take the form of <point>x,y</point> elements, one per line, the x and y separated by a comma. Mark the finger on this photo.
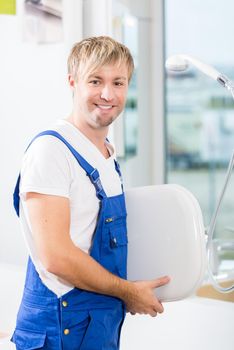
<point>153,313</point>
<point>160,281</point>
<point>160,308</point>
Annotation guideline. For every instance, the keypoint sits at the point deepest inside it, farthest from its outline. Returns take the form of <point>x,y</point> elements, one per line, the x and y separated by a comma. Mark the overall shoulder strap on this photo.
<point>117,168</point>
<point>91,172</point>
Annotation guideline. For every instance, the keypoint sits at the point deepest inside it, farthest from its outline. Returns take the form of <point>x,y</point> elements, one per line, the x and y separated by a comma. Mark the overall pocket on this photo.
<point>104,329</point>
<point>115,249</point>
<point>28,340</point>
<point>36,328</point>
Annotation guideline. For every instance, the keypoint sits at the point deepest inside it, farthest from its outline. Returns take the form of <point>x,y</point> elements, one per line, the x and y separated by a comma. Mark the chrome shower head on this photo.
<point>180,63</point>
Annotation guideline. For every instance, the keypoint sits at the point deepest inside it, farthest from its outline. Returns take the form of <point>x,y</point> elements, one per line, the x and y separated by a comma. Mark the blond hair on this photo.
<point>90,54</point>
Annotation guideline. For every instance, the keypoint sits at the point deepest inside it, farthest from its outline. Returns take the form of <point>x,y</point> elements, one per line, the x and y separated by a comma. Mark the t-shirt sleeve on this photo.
<point>45,168</point>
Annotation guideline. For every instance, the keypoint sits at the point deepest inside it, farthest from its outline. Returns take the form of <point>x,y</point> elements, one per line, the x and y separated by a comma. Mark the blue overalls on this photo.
<point>79,319</point>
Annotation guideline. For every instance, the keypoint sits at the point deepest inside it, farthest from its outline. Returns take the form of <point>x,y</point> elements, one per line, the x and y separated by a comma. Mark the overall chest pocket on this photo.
<point>115,249</point>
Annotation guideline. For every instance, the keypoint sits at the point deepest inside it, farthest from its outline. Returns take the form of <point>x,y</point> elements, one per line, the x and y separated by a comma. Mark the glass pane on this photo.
<point>125,29</point>
<point>200,112</point>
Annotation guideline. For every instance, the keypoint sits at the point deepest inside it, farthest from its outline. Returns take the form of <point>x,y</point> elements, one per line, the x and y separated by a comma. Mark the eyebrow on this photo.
<point>100,78</point>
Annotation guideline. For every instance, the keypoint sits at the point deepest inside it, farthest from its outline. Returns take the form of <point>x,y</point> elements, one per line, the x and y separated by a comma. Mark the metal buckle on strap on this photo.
<point>95,179</point>
<point>94,175</point>
<point>117,168</point>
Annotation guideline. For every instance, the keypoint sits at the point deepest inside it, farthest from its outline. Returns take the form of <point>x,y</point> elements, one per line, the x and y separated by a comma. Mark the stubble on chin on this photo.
<point>104,123</point>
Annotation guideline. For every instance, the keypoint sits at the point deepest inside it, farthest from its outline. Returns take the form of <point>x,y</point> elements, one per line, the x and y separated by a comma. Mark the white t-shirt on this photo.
<point>49,167</point>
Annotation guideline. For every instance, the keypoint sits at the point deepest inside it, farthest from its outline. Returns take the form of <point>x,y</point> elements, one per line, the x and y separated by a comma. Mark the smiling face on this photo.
<point>100,97</point>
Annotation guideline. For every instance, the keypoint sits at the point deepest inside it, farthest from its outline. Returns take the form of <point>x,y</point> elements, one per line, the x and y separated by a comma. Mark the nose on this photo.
<point>107,92</point>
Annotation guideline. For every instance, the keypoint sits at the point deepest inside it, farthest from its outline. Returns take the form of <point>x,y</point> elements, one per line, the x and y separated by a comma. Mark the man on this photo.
<point>73,216</point>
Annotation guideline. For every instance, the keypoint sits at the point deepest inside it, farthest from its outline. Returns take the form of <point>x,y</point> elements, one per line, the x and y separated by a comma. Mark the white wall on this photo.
<point>97,17</point>
<point>33,93</point>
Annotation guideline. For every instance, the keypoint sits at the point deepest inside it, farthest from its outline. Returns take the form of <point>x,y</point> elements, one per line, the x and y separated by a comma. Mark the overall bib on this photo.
<point>79,320</point>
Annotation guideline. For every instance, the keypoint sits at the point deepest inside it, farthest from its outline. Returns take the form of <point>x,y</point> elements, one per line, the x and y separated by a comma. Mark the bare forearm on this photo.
<point>84,272</point>
<point>81,270</point>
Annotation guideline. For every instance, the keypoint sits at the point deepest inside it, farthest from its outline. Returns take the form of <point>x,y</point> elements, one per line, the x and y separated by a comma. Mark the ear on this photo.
<point>71,81</point>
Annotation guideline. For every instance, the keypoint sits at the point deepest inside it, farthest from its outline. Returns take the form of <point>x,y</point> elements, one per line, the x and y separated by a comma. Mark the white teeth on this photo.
<point>104,107</point>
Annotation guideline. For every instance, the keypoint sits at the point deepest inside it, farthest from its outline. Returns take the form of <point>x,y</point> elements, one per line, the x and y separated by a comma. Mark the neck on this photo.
<point>96,136</point>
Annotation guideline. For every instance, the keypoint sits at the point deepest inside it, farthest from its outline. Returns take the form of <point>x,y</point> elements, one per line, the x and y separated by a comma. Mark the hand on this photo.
<point>141,298</point>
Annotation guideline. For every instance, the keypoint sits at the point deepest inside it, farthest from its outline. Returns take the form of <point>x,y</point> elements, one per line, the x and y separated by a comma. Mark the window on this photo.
<point>200,113</point>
